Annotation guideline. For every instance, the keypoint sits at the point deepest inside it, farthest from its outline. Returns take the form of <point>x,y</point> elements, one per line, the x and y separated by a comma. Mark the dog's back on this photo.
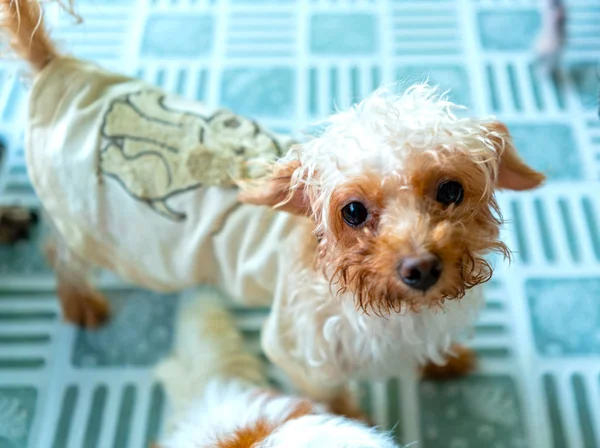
<point>139,181</point>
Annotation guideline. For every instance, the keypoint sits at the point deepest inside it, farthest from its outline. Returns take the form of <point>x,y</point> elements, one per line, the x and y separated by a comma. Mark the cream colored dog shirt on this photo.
<point>140,182</point>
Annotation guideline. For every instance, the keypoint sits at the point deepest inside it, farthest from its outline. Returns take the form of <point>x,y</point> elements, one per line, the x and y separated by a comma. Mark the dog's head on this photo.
<point>402,195</point>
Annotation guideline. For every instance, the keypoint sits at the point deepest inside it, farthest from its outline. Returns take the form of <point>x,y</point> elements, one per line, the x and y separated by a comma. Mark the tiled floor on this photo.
<point>287,63</point>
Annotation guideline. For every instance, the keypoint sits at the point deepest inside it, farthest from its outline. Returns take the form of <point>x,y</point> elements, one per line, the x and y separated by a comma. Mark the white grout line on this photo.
<point>475,69</point>
<point>531,393</point>
<point>568,410</point>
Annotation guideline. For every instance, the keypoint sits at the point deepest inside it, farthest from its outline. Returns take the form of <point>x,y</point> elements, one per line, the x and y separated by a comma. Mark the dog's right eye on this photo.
<point>355,214</point>
<point>450,192</point>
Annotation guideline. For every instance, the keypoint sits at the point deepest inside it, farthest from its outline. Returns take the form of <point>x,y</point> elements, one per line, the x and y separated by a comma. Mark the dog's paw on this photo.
<point>88,311</point>
<point>345,405</point>
<point>462,363</point>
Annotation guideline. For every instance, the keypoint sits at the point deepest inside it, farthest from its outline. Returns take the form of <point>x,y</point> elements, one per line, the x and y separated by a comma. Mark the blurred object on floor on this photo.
<point>2,151</point>
<point>16,223</point>
<point>552,37</point>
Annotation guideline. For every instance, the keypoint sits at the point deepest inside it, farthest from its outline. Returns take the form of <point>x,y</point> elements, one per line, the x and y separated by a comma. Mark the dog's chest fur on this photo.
<point>365,346</point>
<point>311,326</point>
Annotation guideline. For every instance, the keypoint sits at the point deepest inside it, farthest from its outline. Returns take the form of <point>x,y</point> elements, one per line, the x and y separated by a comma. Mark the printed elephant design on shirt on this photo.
<point>156,152</point>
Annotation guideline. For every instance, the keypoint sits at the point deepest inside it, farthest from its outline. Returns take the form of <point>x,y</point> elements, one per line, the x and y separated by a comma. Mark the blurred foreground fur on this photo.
<point>220,398</point>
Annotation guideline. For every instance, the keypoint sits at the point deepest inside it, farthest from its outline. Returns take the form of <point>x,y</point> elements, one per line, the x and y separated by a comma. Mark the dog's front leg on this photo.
<point>334,394</point>
<point>81,303</point>
<point>461,362</point>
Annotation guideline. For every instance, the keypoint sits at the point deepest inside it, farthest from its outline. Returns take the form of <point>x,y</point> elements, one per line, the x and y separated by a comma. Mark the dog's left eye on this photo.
<point>450,192</point>
<point>355,214</point>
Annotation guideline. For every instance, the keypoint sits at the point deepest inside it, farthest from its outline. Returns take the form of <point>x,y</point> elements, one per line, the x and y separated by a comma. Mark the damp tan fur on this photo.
<point>23,22</point>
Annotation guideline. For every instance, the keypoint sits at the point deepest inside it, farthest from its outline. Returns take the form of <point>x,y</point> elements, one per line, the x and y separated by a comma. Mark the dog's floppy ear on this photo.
<point>513,173</point>
<point>279,190</point>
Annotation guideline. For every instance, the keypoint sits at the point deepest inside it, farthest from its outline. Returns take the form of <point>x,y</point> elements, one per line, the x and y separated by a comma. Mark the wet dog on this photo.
<point>368,242</point>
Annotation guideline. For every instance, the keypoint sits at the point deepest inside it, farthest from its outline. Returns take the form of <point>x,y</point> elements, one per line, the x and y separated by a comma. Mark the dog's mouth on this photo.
<point>398,298</point>
<point>399,303</point>
<point>380,289</point>
<point>425,301</point>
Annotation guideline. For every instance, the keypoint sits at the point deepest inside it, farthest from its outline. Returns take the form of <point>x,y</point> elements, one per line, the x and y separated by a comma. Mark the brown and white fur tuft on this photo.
<point>220,398</point>
<point>24,23</point>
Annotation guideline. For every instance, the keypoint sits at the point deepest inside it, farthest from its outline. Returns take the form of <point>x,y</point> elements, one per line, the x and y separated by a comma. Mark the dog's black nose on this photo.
<point>420,272</point>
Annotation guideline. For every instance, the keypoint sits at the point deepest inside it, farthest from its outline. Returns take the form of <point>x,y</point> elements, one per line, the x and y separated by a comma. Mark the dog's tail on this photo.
<point>23,23</point>
<point>207,347</point>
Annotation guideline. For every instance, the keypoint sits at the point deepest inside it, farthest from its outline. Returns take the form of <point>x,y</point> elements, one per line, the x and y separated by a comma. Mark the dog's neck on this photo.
<point>326,331</point>
<point>267,258</point>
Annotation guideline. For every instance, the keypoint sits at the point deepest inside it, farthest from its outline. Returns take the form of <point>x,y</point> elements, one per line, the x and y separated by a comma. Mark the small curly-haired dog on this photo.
<point>220,397</point>
<point>367,241</point>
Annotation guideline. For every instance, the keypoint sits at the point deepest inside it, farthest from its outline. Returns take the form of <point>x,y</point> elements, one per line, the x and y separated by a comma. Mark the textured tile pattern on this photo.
<point>290,63</point>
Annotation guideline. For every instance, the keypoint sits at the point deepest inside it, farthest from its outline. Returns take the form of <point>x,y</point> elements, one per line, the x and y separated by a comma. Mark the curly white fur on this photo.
<point>326,431</point>
<point>379,133</point>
